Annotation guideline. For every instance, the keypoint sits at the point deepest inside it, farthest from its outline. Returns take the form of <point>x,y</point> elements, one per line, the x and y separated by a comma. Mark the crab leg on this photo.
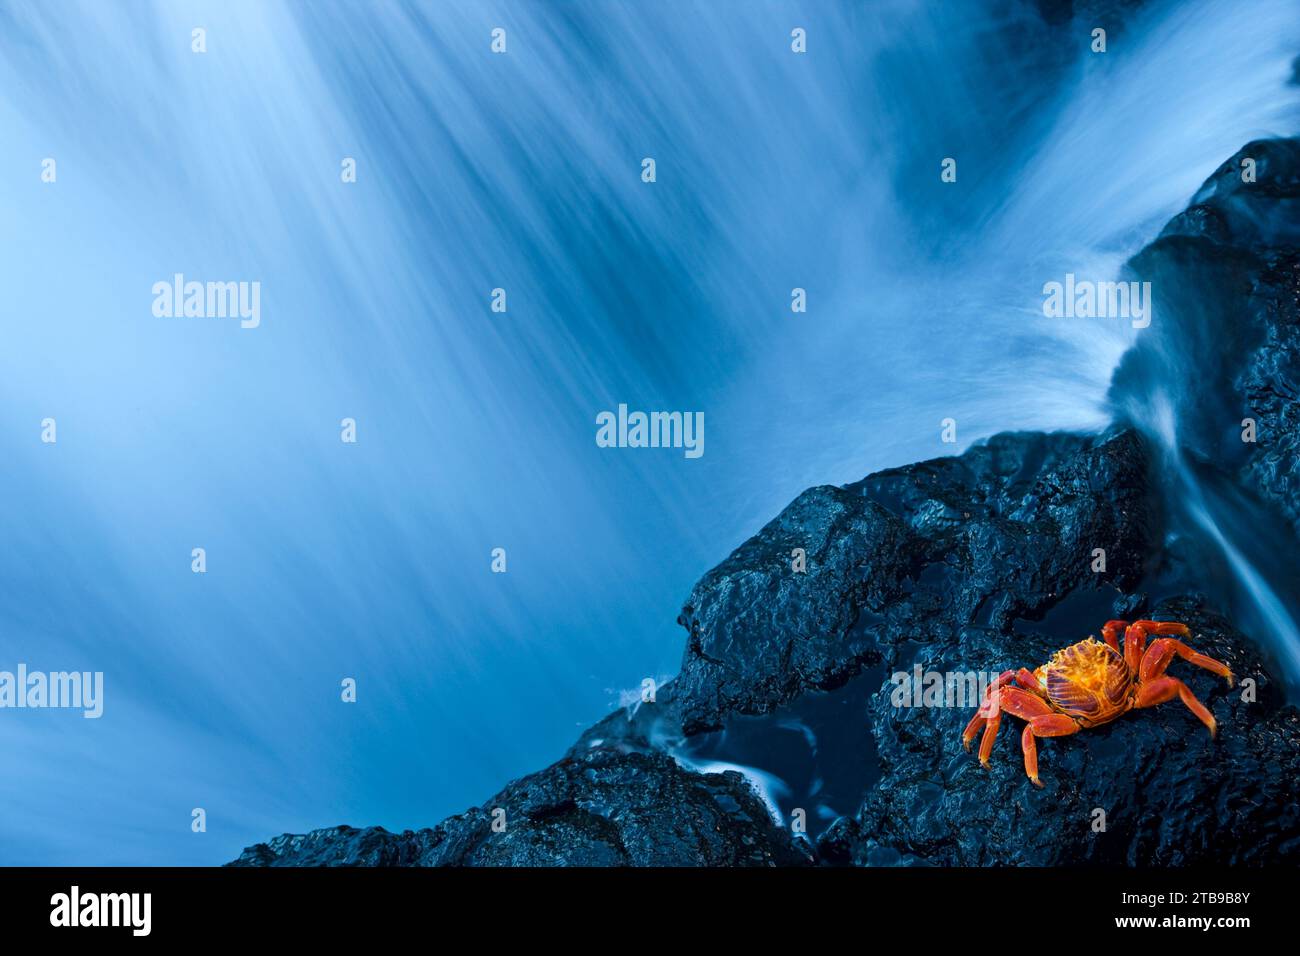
<point>1135,639</point>
<point>988,711</point>
<point>990,727</point>
<point>1046,725</point>
<point>990,735</point>
<point>1163,627</point>
<point>1164,689</point>
<point>1024,704</point>
<point>1135,644</point>
<point>1029,681</point>
<point>1110,632</point>
<point>1159,655</point>
<point>1042,722</point>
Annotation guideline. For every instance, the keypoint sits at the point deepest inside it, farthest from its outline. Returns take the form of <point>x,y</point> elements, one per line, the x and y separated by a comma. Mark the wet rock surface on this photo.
<point>602,807</point>
<point>1226,277</point>
<point>1166,792</point>
<point>911,554</point>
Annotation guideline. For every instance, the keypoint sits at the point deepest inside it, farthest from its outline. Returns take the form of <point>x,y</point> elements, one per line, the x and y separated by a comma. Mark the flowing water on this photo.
<point>476,429</point>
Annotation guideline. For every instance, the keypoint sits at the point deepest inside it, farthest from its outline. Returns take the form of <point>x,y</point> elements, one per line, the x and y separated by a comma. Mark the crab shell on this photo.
<point>1089,681</point>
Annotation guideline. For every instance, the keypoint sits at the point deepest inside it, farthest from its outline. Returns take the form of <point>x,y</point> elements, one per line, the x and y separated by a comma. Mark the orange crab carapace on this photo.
<point>1091,683</point>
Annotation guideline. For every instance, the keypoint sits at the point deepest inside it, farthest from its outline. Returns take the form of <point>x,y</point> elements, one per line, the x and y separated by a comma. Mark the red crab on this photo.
<point>1088,684</point>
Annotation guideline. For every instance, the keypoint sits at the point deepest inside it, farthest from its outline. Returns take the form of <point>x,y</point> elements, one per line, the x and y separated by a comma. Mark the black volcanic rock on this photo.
<point>600,807</point>
<point>1170,793</point>
<point>911,554</point>
<point>1225,276</point>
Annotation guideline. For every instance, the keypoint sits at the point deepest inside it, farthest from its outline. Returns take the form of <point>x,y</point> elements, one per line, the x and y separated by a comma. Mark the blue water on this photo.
<point>476,429</point>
